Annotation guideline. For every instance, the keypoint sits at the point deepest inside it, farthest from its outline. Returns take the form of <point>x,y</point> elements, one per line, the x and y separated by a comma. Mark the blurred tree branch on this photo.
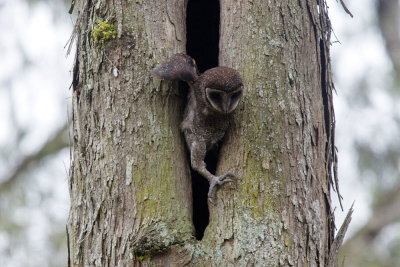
<point>387,209</point>
<point>388,17</point>
<point>385,212</point>
<point>55,143</point>
<point>360,246</point>
<point>345,8</point>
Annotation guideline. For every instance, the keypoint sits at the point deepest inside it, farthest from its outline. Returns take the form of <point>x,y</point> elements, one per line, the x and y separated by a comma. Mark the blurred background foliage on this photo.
<point>34,156</point>
<point>367,78</point>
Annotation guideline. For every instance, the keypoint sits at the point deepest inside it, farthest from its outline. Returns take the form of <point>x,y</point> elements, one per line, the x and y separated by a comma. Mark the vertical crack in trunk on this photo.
<point>202,44</point>
<point>327,88</point>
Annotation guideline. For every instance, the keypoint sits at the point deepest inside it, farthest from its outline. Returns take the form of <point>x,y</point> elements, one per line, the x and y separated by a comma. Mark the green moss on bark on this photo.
<point>104,32</point>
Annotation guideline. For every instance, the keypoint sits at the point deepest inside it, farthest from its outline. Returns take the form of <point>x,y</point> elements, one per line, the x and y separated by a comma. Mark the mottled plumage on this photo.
<point>213,97</point>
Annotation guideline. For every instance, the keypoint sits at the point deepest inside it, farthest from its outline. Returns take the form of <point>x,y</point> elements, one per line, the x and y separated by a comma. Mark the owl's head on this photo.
<point>223,89</point>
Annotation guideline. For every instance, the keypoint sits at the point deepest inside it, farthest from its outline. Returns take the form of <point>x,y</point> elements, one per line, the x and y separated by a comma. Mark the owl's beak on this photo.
<point>226,105</point>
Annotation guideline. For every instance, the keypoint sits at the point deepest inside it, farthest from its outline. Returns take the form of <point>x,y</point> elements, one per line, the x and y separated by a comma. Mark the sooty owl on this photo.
<point>213,97</point>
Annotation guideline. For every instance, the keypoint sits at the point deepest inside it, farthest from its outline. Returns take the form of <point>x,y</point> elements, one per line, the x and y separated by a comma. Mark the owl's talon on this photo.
<point>229,174</point>
<point>219,180</point>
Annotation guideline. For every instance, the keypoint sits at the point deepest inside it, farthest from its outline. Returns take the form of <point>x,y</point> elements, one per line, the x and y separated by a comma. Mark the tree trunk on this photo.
<point>130,181</point>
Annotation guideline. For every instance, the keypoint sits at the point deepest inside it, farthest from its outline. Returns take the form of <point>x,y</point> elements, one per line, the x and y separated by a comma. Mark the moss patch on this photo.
<point>104,32</point>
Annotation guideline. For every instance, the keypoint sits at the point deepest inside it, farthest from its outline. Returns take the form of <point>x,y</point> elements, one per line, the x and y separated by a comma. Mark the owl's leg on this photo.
<point>197,155</point>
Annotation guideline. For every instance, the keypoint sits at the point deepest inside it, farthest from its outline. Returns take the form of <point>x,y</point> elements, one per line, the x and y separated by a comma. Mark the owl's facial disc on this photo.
<point>223,102</point>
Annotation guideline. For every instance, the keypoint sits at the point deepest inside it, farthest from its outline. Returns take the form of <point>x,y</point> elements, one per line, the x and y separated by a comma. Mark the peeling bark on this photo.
<point>130,177</point>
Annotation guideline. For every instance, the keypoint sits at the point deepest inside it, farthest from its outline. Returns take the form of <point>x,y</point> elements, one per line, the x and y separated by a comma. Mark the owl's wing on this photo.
<point>179,67</point>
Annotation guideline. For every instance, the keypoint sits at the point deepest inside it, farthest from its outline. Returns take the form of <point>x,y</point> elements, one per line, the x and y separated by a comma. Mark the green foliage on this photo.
<point>104,32</point>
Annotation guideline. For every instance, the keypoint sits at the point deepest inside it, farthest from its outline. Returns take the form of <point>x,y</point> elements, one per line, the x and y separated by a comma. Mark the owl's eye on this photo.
<point>215,97</point>
<point>236,95</point>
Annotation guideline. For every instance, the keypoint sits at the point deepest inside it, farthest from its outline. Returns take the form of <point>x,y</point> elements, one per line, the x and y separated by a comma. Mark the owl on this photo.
<point>213,97</point>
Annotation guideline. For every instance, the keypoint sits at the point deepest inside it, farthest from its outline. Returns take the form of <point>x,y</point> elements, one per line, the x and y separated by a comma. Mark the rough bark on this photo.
<point>130,178</point>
